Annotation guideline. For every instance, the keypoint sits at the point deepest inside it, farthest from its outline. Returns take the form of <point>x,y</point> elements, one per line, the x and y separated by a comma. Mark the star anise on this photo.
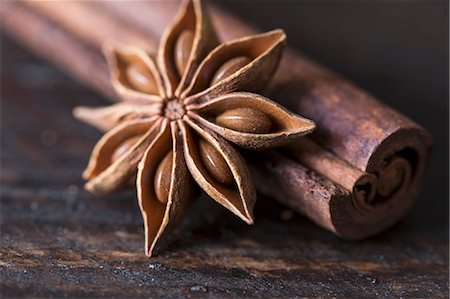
<point>178,116</point>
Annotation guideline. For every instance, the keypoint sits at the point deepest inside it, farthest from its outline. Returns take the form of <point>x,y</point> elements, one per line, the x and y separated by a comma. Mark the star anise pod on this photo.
<point>179,116</point>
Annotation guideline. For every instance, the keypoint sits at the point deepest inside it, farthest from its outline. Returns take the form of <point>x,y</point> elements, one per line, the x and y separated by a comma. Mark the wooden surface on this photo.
<point>59,241</point>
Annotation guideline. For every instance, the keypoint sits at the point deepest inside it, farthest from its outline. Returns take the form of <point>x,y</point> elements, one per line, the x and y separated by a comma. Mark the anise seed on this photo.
<point>163,177</point>
<point>183,48</point>
<point>216,165</point>
<point>229,68</point>
<point>123,147</point>
<point>246,120</point>
<point>140,78</point>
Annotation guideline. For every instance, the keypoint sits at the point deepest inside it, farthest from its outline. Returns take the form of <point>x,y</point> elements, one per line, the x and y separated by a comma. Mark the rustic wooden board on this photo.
<point>59,241</point>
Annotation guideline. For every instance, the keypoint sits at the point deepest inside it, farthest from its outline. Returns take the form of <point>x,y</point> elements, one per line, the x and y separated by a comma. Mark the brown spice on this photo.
<point>187,108</point>
<point>163,178</point>
<point>141,79</point>
<point>245,120</point>
<point>215,164</point>
<point>183,48</point>
<point>124,147</point>
<point>229,68</point>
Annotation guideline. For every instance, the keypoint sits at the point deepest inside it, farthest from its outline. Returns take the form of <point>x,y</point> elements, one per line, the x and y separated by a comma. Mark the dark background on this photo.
<point>60,241</point>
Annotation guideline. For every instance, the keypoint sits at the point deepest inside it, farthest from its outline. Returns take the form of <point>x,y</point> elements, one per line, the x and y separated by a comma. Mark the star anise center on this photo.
<point>174,110</point>
<point>216,83</point>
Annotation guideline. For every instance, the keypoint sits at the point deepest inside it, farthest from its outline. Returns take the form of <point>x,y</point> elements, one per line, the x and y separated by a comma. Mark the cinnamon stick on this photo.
<point>357,175</point>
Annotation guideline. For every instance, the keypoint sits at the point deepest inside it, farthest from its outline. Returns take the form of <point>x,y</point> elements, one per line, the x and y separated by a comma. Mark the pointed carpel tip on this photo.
<point>88,186</point>
<point>148,253</point>
<point>78,112</point>
<point>149,250</point>
<point>108,46</point>
<point>279,32</point>
<point>91,187</point>
<point>86,175</point>
<point>248,219</point>
<point>306,125</point>
<point>111,49</point>
<point>246,216</point>
<point>312,126</point>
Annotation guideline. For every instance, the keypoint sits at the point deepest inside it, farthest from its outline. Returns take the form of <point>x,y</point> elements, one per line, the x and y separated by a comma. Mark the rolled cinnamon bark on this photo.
<point>356,176</point>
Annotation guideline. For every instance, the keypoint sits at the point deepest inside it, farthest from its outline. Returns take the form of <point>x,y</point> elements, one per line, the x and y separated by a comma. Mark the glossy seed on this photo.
<point>246,120</point>
<point>216,165</point>
<point>183,48</point>
<point>229,68</point>
<point>163,177</point>
<point>124,147</point>
<point>141,79</point>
